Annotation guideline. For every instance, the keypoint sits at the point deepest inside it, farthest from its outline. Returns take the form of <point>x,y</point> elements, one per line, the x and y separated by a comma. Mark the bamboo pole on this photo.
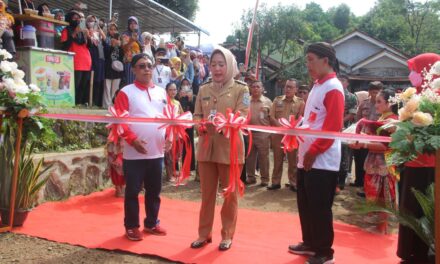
<point>437,206</point>
<point>23,113</point>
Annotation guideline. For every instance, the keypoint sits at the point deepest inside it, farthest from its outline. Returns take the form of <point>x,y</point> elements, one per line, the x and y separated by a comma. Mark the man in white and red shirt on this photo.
<point>143,149</point>
<point>319,159</point>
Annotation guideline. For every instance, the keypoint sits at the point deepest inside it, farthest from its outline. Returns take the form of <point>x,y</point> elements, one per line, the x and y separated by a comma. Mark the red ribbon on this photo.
<point>231,126</point>
<point>290,142</point>
<point>116,130</point>
<point>176,133</point>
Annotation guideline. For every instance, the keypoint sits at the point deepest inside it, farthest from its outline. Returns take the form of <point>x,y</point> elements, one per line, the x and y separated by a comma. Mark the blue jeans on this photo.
<point>146,172</point>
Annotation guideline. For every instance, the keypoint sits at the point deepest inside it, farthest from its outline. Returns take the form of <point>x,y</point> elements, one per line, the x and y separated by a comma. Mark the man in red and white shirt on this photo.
<point>143,149</point>
<point>319,159</point>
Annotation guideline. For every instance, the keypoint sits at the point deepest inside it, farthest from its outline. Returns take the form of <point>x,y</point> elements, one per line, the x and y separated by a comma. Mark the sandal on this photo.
<point>225,244</point>
<point>200,243</point>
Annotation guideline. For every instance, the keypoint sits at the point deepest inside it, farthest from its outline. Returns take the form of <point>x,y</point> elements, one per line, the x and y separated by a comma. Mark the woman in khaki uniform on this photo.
<point>213,148</point>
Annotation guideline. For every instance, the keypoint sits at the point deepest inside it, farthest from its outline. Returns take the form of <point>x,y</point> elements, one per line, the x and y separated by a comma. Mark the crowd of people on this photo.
<point>103,52</point>
<point>139,73</point>
<point>317,171</point>
<point>102,49</point>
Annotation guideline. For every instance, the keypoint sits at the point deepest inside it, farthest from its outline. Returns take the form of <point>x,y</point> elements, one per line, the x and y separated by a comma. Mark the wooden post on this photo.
<point>23,113</point>
<point>437,206</point>
<point>92,77</point>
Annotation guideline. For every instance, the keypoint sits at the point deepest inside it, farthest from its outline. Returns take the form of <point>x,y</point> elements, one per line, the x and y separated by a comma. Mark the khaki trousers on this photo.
<point>210,174</point>
<point>278,156</point>
<point>260,149</point>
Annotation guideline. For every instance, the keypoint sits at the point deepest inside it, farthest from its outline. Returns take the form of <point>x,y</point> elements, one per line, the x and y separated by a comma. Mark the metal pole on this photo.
<point>198,45</point>
<point>19,7</point>
<point>437,206</point>
<point>110,10</point>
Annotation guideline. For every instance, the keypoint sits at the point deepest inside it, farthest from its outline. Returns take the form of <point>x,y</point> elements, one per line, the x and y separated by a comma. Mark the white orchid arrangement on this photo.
<point>15,94</point>
<point>419,119</point>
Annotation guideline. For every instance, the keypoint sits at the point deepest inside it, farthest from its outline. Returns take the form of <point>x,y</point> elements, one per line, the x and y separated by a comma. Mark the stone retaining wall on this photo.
<point>74,173</point>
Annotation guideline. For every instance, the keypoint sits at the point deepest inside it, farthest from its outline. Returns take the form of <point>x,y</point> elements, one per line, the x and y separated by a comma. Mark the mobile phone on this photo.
<point>82,24</point>
<point>164,60</point>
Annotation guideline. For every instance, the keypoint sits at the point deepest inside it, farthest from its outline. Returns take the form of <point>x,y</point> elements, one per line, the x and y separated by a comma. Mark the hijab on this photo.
<point>174,61</point>
<point>129,32</point>
<point>231,65</point>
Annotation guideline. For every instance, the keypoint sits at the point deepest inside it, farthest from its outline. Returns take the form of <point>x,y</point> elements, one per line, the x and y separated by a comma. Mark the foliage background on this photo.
<point>284,31</point>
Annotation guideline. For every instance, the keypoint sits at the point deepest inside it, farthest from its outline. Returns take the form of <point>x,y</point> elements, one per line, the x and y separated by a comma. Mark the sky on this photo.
<point>219,17</point>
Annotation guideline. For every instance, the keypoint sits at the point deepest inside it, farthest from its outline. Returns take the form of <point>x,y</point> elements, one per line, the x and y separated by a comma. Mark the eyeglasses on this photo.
<point>144,66</point>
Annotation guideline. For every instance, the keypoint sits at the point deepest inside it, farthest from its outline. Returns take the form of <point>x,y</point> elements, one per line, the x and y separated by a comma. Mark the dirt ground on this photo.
<point>16,248</point>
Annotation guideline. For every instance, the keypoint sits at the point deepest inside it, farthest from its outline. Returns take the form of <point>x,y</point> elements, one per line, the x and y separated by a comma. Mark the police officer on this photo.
<point>259,111</point>
<point>213,148</point>
<point>285,106</point>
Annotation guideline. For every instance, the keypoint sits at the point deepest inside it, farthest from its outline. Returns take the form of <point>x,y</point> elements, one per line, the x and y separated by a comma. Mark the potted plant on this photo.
<point>29,182</point>
<point>423,226</point>
<point>16,97</point>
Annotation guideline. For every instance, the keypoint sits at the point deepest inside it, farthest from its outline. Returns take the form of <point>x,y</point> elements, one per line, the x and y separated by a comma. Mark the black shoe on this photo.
<point>301,249</point>
<point>250,182</point>
<point>263,184</point>
<point>274,187</point>
<point>201,243</point>
<point>225,245</point>
<point>320,260</point>
<point>361,194</point>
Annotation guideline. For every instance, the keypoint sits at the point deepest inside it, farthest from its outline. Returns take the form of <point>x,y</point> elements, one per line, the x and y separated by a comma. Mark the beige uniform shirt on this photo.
<point>215,147</point>
<point>282,107</point>
<point>260,114</point>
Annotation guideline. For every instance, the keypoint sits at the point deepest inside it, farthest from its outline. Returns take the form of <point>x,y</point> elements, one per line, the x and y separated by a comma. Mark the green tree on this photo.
<point>406,24</point>
<point>341,17</point>
<point>187,8</point>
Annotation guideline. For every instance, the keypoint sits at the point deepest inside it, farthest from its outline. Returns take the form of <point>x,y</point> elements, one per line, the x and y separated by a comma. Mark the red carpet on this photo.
<point>96,221</point>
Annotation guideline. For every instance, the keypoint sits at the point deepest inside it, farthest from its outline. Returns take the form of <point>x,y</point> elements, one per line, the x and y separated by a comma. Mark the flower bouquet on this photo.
<point>418,128</point>
<point>15,94</point>
<point>17,99</point>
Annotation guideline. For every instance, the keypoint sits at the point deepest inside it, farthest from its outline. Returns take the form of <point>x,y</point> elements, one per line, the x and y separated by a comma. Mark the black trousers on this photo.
<point>82,87</point>
<point>138,173</point>
<point>316,190</point>
<point>359,159</point>
<point>410,246</point>
<point>345,166</point>
<point>98,93</point>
